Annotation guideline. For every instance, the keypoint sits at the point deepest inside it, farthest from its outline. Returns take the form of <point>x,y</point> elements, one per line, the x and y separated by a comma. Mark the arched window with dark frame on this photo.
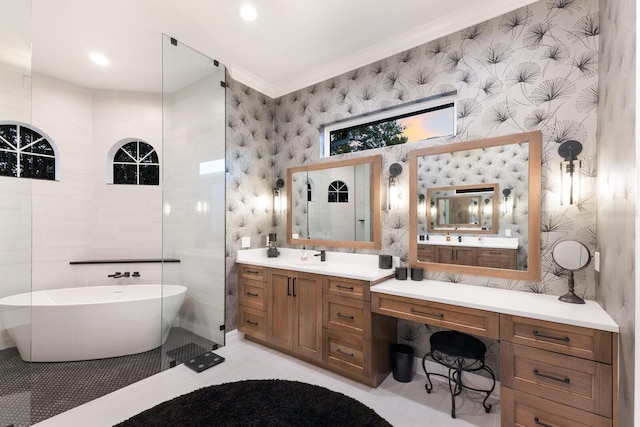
<point>338,192</point>
<point>26,152</point>
<point>136,162</point>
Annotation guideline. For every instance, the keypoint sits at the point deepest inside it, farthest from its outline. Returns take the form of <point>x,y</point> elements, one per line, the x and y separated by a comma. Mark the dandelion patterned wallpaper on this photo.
<point>535,68</point>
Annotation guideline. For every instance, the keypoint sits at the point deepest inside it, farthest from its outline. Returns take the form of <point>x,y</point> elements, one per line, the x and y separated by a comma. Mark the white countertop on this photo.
<point>472,241</point>
<point>526,304</point>
<point>342,264</point>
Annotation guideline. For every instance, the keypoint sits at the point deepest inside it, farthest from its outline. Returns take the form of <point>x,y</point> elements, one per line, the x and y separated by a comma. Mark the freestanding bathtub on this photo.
<point>90,322</point>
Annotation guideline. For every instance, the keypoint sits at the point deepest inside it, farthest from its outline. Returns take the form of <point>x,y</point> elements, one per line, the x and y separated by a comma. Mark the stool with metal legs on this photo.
<point>459,353</point>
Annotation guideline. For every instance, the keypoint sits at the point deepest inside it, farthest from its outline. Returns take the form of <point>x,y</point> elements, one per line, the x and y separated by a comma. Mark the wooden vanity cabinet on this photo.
<point>294,301</point>
<point>460,255</point>
<point>498,258</point>
<point>469,255</point>
<point>252,301</point>
<point>347,321</point>
<point>321,319</point>
<point>556,374</point>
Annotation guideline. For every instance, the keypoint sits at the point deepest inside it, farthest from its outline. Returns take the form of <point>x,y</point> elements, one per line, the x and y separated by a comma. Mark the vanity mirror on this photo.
<point>463,209</point>
<point>475,207</point>
<point>335,204</point>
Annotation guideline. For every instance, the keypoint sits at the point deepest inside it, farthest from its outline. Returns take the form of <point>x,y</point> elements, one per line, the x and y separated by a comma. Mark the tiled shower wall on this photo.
<point>535,68</point>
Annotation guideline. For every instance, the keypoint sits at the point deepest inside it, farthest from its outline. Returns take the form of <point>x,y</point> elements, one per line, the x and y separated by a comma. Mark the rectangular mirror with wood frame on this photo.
<point>475,207</point>
<point>335,204</point>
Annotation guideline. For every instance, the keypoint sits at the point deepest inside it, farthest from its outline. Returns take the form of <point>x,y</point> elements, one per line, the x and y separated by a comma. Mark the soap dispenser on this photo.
<point>303,256</point>
<point>448,238</point>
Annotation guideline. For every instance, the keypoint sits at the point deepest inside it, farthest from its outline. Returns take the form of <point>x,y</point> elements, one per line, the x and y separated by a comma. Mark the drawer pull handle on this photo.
<point>252,294</point>
<point>253,271</point>
<point>252,322</point>
<point>425,313</point>
<point>564,380</point>
<point>344,353</point>
<point>540,423</point>
<point>551,337</point>
<point>349,288</point>
<point>344,316</point>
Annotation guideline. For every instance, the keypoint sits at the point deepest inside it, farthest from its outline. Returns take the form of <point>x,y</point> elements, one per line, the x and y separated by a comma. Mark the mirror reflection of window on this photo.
<point>338,192</point>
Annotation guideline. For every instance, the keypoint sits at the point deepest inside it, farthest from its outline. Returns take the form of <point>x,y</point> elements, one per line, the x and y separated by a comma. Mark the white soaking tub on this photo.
<point>90,322</point>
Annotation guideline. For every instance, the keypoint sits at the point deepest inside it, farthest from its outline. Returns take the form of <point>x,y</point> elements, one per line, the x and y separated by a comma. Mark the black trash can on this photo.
<point>402,360</point>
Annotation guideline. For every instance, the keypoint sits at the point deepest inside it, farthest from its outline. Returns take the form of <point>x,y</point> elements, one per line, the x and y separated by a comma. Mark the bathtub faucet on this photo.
<point>118,274</point>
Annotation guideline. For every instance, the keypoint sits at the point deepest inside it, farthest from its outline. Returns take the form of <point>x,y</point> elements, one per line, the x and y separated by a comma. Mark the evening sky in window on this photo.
<point>406,123</point>
<point>136,162</point>
<point>26,152</point>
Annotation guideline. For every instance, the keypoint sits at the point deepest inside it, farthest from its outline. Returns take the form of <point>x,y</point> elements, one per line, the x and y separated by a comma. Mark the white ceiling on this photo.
<point>292,44</point>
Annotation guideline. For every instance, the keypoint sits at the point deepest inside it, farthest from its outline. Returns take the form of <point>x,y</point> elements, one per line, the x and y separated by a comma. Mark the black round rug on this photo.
<point>259,403</point>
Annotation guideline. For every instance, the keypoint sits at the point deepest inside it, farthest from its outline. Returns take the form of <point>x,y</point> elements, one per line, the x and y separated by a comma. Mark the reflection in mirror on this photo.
<point>463,224</point>
<point>571,256</point>
<point>463,209</point>
<point>335,204</point>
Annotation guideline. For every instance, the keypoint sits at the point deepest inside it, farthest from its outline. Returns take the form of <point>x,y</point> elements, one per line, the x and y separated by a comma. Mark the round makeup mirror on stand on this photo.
<point>571,256</point>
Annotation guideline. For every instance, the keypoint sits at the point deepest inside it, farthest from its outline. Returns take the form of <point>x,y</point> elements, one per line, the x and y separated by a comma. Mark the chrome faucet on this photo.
<point>117,275</point>
<point>322,255</point>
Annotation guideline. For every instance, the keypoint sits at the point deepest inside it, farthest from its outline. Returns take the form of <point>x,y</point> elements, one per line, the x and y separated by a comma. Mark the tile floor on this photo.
<point>402,404</point>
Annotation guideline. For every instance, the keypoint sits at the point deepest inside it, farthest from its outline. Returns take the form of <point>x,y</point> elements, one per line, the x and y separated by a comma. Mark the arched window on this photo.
<point>338,192</point>
<point>26,152</point>
<point>136,162</point>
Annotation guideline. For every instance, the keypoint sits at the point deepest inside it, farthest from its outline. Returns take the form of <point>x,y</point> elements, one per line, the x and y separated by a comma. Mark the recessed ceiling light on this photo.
<point>99,59</point>
<point>248,13</point>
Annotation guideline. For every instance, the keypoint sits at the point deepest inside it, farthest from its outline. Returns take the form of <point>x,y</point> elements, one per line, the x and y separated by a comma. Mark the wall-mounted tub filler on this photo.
<point>118,274</point>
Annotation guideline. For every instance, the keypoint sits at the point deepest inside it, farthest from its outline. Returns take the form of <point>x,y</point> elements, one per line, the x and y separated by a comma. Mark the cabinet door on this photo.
<point>466,256</point>
<point>445,254</point>
<point>307,298</point>
<point>279,291</point>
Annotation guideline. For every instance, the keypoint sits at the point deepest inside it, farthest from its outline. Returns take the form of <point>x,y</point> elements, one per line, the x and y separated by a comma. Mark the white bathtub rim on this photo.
<point>25,299</point>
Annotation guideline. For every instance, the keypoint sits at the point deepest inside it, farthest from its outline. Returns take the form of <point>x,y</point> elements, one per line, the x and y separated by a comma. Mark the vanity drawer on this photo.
<point>345,351</point>
<point>580,383</point>
<point>252,322</point>
<point>252,272</point>
<point>252,293</point>
<point>524,410</point>
<point>497,258</point>
<point>426,253</point>
<point>349,288</point>
<point>469,320</point>
<point>566,339</point>
<point>346,315</point>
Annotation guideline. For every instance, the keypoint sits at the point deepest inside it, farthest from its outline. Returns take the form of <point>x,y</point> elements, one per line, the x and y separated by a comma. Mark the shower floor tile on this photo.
<point>32,392</point>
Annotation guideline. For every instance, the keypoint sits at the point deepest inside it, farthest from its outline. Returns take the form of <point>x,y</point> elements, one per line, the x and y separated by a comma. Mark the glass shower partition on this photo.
<point>193,188</point>
<point>15,213</point>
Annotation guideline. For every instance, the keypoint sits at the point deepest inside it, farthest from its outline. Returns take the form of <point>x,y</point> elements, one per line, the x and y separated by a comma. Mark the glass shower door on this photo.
<point>15,215</point>
<point>193,188</point>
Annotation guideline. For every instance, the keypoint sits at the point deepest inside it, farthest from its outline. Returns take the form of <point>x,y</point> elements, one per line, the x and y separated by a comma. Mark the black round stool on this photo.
<point>458,352</point>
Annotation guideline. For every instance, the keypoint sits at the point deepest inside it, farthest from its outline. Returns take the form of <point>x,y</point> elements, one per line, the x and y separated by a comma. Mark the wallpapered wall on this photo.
<point>617,190</point>
<point>533,68</point>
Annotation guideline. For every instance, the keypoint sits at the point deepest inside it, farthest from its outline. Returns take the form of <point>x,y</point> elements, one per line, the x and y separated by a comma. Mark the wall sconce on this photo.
<point>393,198</point>
<point>422,205</point>
<point>434,210</point>
<point>570,171</point>
<point>507,203</point>
<point>279,200</point>
<point>487,209</point>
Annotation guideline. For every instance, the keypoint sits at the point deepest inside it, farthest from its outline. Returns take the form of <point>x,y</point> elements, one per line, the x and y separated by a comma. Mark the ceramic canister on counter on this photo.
<point>385,261</point>
<point>401,273</point>
<point>417,273</point>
